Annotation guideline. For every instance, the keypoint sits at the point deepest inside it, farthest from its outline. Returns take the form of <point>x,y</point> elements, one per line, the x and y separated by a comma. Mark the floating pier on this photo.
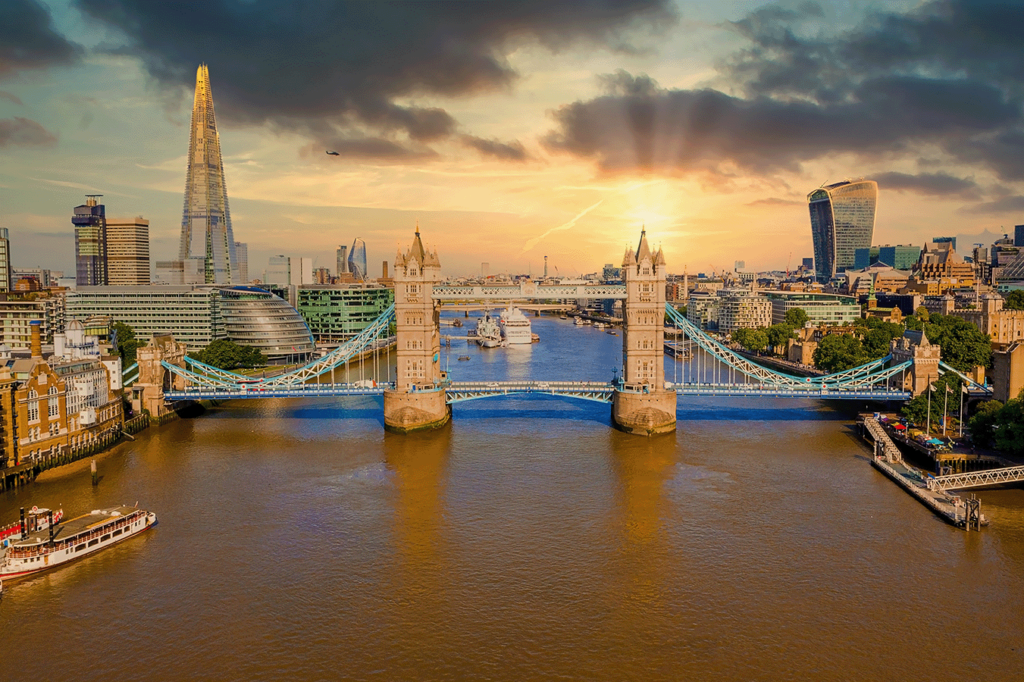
<point>888,459</point>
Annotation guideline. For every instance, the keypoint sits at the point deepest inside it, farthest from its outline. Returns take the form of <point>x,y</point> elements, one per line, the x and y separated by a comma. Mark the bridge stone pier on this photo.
<point>418,398</point>
<point>641,405</point>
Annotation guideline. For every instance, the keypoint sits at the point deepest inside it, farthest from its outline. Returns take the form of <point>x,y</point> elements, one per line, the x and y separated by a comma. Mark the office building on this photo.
<point>485,270</point>
<point>206,220</point>
<point>5,261</point>
<point>180,272</point>
<point>16,318</point>
<point>279,271</point>
<point>901,257</point>
<point>828,310</point>
<point>939,263</point>
<point>742,309</point>
<point>47,278</point>
<point>739,265</point>
<point>337,313</point>
<point>300,271</point>
<point>865,257</point>
<point>342,259</point>
<point>808,264</point>
<point>322,276</point>
<point>842,220</point>
<point>128,252</point>
<point>357,260</point>
<point>90,223</point>
<point>197,315</point>
<point>242,256</point>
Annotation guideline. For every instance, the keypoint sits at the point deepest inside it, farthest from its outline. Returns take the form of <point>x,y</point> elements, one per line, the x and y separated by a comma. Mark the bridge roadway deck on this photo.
<point>460,391</point>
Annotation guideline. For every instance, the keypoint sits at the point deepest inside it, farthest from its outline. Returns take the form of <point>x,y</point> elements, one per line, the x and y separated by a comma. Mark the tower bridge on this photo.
<point>421,394</point>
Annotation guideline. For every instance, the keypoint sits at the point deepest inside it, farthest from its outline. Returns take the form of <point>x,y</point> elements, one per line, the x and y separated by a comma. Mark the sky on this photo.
<point>513,130</point>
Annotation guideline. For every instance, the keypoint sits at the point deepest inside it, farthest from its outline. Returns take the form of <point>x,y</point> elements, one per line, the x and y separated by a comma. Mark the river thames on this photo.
<point>527,540</point>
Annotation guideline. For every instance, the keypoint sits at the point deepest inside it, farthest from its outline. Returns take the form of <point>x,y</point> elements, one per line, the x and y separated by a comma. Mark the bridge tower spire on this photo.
<point>641,404</point>
<point>418,399</point>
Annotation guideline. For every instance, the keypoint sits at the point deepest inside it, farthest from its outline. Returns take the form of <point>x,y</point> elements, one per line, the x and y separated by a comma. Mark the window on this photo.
<point>93,542</point>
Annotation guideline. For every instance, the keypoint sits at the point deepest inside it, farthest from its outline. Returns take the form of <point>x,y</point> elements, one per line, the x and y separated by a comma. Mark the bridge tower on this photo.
<point>418,399</point>
<point>641,405</point>
<point>148,391</point>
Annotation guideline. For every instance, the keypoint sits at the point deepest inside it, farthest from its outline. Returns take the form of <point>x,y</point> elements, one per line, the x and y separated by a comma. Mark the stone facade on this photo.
<point>925,355</point>
<point>1008,372</point>
<point>148,391</point>
<point>643,406</point>
<point>418,400</point>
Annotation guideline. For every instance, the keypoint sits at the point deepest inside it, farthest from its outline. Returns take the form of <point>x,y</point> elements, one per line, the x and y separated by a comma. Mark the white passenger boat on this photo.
<point>40,550</point>
<point>515,326</point>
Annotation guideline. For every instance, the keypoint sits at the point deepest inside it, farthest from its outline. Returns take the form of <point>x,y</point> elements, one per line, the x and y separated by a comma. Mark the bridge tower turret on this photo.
<point>418,399</point>
<point>641,405</point>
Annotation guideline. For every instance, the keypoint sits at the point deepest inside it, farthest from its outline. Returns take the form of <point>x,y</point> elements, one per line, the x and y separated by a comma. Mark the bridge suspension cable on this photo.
<point>867,374</point>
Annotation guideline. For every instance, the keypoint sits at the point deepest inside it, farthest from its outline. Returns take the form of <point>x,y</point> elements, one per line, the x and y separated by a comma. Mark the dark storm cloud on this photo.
<point>928,183</point>
<point>887,87</point>
<point>28,40</point>
<point>638,125</point>
<point>507,151</point>
<point>23,132</point>
<point>353,66</point>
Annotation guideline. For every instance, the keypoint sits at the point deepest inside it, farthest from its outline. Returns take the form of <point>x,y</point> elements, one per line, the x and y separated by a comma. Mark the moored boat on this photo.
<point>58,544</point>
<point>515,326</point>
<point>488,333</point>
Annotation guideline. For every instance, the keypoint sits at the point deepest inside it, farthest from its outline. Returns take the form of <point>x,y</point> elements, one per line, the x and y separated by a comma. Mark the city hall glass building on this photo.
<point>197,315</point>
<point>842,221</point>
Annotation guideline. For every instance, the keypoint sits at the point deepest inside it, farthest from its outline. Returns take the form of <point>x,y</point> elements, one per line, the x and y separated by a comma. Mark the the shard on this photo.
<point>206,220</point>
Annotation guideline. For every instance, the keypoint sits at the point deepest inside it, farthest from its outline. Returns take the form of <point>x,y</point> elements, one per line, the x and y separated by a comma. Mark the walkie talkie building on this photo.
<point>842,221</point>
<point>206,219</point>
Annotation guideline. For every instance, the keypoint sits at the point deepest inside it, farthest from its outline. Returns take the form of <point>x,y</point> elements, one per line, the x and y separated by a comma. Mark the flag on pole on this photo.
<point>931,387</point>
<point>963,388</point>
<point>948,389</point>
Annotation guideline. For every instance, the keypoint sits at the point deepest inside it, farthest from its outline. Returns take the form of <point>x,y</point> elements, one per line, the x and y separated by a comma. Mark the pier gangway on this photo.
<point>977,479</point>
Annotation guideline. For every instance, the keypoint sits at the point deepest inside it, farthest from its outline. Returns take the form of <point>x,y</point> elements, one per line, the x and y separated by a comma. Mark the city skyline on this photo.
<point>570,139</point>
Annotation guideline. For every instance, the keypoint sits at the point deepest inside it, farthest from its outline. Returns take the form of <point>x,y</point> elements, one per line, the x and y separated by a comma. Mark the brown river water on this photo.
<point>528,540</point>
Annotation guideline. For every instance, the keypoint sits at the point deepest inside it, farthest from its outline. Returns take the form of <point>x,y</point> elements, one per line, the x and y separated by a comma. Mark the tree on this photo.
<point>878,339</point>
<point>757,340</point>
<point>963,345</point>
<point>1009,427</point>
<point>127,344</point>
<point>796,317</point>
<point>916,410</point>
<point>982,424</point>
<point>837,352</point>
<point>1015,300</point>
<point>922,313</point>
<point>778,335</point>
<point>229,355</point>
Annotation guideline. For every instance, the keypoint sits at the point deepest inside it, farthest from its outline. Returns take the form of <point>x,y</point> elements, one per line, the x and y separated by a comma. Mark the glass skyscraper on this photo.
<point>357,259</point>
<point>206,219</point>
<point>842,221</point>
<point>90,223</point>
